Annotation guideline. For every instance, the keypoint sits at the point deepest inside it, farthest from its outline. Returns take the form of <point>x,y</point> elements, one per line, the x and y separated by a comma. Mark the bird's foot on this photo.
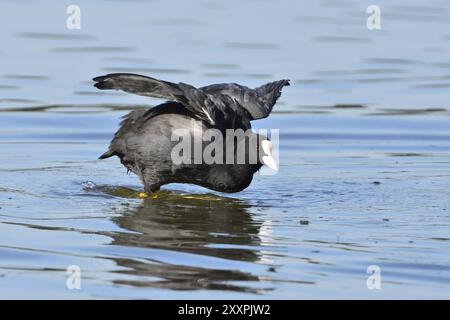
<point>145,195</point>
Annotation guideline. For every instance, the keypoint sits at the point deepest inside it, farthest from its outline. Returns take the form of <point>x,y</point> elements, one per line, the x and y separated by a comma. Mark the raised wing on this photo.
<point>137,84</point>
<point>258,102</point>
<point>193,99</point>
<point>223,105</point>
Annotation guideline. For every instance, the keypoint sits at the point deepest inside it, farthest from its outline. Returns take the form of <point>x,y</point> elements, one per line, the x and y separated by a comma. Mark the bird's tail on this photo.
<point>107,154</point>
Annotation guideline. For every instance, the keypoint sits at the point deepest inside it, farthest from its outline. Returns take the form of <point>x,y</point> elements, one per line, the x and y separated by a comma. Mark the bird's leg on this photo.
<point>150,192</point>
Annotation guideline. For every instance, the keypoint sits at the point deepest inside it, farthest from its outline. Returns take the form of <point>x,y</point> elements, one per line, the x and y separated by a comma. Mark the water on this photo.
<point>364,169</point>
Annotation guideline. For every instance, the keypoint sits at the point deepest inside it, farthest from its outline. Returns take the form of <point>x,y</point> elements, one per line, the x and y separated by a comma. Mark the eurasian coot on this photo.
<point>148,141</point>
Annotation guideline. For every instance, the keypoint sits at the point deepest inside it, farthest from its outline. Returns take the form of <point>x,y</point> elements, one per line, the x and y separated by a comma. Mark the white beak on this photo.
<point>268,159</point>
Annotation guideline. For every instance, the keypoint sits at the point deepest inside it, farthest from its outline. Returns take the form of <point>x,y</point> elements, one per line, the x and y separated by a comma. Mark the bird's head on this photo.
<point>258,151</point>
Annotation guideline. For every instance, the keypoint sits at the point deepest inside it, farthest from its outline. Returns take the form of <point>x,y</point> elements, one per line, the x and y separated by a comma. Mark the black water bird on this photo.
<point>144,143</point>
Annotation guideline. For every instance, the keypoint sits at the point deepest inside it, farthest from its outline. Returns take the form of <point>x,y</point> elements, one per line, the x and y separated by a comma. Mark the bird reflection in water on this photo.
<point>205,225</point>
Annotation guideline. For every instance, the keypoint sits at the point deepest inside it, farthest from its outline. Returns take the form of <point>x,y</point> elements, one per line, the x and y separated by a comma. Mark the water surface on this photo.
<point>364,152</point>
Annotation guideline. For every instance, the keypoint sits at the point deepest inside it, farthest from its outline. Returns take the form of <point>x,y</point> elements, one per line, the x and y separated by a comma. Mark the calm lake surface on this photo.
<point>364,152</point>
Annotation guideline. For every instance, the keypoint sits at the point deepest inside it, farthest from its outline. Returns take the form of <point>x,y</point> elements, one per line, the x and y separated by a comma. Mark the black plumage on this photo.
<point>144,141</point>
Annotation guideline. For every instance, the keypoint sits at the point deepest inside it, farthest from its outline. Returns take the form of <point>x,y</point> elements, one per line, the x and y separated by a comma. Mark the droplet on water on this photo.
<point>88,185</point>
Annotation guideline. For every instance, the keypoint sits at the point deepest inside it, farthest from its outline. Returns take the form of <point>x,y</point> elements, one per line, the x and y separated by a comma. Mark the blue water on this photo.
<point>364,152</point>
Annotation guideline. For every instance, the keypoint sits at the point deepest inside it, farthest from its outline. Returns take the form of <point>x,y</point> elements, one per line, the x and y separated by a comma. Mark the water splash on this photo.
<point>88,185</point>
